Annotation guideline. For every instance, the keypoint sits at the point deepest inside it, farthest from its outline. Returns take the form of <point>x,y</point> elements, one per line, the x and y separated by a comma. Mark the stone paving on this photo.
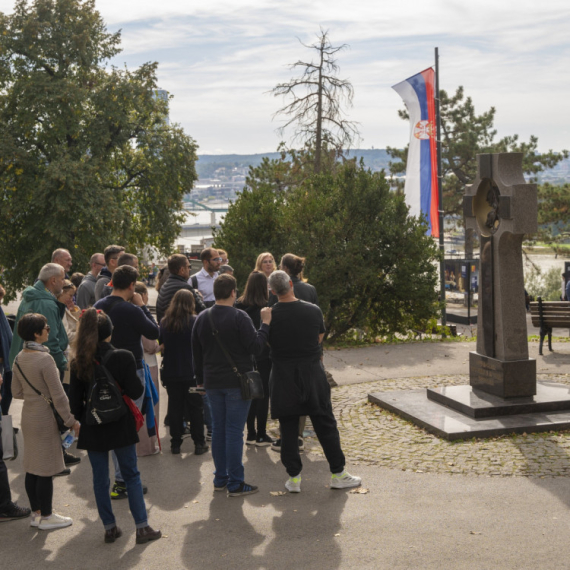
<point>373,436</point>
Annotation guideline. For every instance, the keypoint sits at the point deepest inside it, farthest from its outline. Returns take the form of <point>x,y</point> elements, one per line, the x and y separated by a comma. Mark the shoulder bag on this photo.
<point>250,382</point>
<point>58,419</point>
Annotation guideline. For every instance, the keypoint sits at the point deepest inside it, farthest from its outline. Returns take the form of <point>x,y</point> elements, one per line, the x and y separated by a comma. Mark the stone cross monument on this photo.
<point>502,208</point>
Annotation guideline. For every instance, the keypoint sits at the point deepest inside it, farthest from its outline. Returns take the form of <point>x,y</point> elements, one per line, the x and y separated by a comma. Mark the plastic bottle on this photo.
<point>67,438</point>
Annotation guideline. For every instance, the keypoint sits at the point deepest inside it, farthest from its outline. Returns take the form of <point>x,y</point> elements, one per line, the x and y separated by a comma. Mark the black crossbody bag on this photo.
<point>250,382</point>
<point>58,419</point>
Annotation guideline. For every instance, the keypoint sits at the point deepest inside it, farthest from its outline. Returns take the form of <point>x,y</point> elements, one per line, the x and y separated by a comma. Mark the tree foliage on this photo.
<point>371,263</point>
<point>465,134</point>
<point>318,96</point>
<point>86,155</point>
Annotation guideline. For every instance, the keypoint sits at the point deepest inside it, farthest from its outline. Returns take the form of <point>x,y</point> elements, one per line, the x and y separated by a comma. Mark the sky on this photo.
<point>219,59</point>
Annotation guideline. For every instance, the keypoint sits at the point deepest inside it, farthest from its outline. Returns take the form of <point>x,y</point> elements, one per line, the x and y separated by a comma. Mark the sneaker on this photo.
<point>293,484</point>
<point>186,431</point>
<point>13,512</point>
<point>54,521</point>
<point>251,439</point>
<point>201,449</point>
<point>70,459</point>
<point>345,480</point>
<point>112,534</point>
<point>209,436</point>
<point>220,487</point>
<point>35,520</point>
<point>119,491</point>
<point>175,449</point>
<point>243,489</point>
<point>263,441</point>
<point>66,471</point>
<point>147,534</point>
<point>276,446</point>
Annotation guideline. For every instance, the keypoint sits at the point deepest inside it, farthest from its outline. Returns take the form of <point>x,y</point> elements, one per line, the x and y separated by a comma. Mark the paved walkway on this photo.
<point>431,504</point>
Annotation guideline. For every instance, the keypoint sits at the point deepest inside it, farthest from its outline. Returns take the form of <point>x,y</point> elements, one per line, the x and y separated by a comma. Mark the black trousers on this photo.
<point>327,434</point>
<point>183,404</point>
<point>40,493</point>
<point>5,495</point>
<point>260,408</point>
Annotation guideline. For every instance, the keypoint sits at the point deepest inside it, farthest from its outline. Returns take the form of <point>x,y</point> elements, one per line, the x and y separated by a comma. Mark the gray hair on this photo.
<point>58,253</point>
<point>226,269</point>
<point>279,282</point>
<point>50,270</point>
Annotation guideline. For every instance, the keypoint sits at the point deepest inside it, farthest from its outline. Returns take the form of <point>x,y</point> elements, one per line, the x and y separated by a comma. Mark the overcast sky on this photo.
<point>220,58</point>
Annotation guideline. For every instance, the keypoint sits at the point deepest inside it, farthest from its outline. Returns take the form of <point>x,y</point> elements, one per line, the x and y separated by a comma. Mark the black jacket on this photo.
<point>121,433</point>
<point>173,284</point>
<point>177,365</point>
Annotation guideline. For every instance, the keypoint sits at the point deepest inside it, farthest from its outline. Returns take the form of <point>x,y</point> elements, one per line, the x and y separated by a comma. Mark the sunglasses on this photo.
<point>47,328</point>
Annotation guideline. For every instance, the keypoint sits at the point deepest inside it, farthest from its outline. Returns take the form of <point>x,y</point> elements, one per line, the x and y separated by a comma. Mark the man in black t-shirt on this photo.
<point>298,385</point>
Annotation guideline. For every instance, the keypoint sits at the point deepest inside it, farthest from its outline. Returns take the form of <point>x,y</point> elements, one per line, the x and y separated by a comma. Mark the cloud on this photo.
<point>219,60</point>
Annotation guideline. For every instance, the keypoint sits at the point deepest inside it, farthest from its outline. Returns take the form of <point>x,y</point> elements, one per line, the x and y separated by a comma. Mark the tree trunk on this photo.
<point>319,137</point>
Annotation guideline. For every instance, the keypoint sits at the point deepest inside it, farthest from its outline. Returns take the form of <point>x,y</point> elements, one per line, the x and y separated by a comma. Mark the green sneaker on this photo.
<point>293,484</point>
<point>119,491</point>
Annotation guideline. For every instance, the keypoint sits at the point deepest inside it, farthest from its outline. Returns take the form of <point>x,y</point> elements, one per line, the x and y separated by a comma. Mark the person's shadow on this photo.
<point>302,532</point>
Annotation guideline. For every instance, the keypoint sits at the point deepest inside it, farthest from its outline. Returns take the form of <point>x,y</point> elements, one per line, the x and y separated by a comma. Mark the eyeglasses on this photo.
<point>47,328</point>
<point>215,259</point>
<point>101,264</point>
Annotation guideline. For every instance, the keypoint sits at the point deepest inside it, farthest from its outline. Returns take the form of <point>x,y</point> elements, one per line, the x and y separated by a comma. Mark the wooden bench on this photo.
<point>548,315</point>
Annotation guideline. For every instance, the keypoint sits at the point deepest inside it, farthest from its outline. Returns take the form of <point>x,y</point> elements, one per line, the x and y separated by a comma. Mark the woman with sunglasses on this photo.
<point>35,371</point>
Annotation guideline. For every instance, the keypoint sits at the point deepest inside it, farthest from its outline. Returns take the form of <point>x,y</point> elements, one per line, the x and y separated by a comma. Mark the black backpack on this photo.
<point>104,400</point>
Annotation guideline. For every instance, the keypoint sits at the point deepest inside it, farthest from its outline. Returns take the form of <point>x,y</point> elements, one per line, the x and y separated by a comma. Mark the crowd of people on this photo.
<point>77,336</point>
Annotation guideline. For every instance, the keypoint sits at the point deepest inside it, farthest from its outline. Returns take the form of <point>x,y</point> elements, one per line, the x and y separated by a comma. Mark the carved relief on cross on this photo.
<point>502,208</point>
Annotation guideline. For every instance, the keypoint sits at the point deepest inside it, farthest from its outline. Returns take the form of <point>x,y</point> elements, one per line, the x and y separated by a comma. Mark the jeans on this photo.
<point>207,413</point>
<point>127,458</point>
<point>327,434</point>
<point>139,404</point>
<point>179,400</point>
<point>5,495</point>
<point>229,413</point>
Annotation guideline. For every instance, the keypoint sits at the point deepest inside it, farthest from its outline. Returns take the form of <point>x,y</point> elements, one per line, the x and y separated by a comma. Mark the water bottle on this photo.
<point>67,438</point>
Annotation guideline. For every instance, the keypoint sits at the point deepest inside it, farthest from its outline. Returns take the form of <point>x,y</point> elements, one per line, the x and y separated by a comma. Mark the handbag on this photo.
<point>251,384</point>
<point>9,441</point>
<point>139,418</point>
<point>58,419</point>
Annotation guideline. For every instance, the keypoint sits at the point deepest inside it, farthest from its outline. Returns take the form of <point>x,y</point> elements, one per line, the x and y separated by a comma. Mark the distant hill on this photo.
<point>375,159</point>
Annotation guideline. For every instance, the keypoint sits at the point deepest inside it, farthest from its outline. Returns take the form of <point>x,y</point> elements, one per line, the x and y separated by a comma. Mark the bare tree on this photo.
<point>318,96</point>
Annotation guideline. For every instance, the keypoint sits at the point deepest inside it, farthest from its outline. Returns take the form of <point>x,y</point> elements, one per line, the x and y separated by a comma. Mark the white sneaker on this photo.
<point>293,484</point>
<point>35,519</point>
<point>54,521</point>
<point>345,480</point>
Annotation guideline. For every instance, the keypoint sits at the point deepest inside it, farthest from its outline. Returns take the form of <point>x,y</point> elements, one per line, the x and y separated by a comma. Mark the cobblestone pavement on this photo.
<point>373,436</point>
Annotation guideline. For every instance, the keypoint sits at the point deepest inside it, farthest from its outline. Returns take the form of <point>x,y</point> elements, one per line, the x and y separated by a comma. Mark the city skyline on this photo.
<point>220,63</point>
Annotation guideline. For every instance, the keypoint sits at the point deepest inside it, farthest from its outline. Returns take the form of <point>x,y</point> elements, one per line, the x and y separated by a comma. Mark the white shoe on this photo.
<point>54,521</point>
<point>35,519</point>
<point>293,484</point>
<point>345,480</point>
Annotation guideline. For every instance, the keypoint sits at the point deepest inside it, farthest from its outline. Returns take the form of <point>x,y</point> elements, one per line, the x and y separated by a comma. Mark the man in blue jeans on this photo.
<point>237,334</point>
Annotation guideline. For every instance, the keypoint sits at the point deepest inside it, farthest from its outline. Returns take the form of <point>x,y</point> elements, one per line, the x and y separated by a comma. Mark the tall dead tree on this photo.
<point>318,98</point>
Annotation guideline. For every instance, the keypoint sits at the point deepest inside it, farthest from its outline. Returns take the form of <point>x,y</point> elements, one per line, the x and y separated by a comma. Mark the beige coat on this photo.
<point>43,454</point>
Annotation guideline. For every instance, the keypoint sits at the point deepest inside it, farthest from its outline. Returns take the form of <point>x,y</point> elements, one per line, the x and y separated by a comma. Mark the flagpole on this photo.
<point>439,192</point>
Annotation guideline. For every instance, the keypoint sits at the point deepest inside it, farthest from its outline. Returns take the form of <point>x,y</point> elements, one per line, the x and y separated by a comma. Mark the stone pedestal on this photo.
<point>503,378</point>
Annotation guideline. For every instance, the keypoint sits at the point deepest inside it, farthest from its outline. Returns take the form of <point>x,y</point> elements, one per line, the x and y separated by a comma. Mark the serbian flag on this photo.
<point>418,93</point>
